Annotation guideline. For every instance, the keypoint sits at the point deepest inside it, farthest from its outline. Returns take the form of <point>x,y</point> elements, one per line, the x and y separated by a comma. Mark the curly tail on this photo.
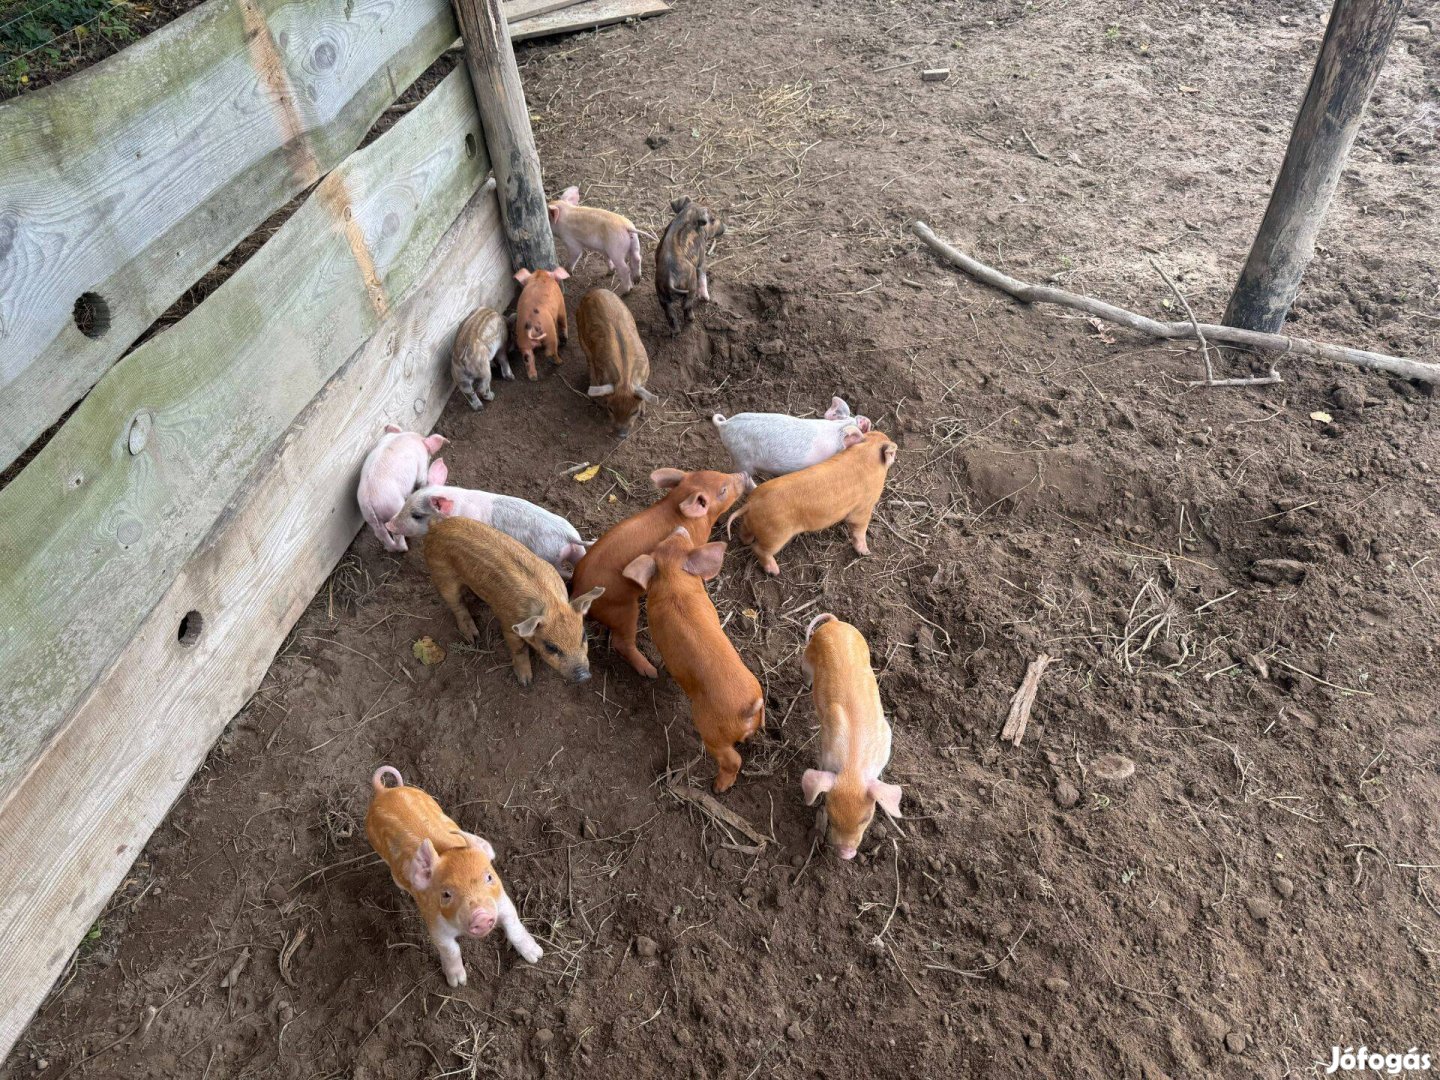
<point>733,517</point>
<point>719,420</point>
<point>816,623</point>
<point>378,780</point>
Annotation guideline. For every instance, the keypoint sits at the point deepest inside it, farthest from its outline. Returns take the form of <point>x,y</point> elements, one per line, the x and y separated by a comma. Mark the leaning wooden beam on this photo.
<point>517,10</point>
<point>122,185</point>
<point>1228,335</point>
<point>133,481</point>
<point>1356,40</point>
<point>587,16</point>
<point>78,819</point>
<point>506,119</point>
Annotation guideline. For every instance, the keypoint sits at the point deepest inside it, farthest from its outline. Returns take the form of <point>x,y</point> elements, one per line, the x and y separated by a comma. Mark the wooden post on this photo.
<point>1356,40</point>
<point>508,138</point>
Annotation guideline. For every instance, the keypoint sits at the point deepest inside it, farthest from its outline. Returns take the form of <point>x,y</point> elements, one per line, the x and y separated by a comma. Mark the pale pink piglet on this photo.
<point>399,463</point>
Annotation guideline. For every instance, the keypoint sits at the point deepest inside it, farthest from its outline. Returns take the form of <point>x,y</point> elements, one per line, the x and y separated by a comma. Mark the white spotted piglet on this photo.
<point>775,444</point>
<point>854,735</point>
<point>579,229</point>
<point>548,535</point>
<point>450,873</point>
<point>399,463</point>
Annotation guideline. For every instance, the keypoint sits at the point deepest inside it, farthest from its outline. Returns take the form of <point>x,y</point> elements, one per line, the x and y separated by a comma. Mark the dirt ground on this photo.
<point>1241,599</point>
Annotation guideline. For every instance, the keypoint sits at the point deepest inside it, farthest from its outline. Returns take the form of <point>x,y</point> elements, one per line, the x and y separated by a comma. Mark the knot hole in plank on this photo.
<point>191,625</point>
<point>91,315</point>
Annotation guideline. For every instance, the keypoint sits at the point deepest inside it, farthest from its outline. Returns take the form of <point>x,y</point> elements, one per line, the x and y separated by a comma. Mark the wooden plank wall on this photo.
<point>213,393</point>
<point>133,178</point>
<point>72,829</point>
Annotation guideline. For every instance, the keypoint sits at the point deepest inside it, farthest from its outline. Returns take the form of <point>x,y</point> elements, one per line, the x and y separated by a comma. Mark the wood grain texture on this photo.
<point>516,10</point>
<point>586,16</point>
<point>133,178</point>
<point>71,830</point>
<point>501,100</point>
<point>91,533</point>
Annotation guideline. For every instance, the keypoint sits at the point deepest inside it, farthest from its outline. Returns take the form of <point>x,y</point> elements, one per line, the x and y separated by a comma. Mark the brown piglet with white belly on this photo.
<point>727,705</point>
<point>540,324</point>
<point>695,501</point>
<point>526,593</point>
<point>844,488</point>
<point>450,873</point>
<point>854,735</point>
<point>619,365</point>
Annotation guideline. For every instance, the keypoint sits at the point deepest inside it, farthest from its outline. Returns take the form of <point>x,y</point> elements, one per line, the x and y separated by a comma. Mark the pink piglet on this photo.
<point>399,463</point>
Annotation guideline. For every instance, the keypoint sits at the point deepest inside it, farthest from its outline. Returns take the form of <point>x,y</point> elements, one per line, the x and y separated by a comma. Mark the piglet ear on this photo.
<point>863,423</point>
<point>679,204</point>
<point>603,390</point>
<point>442,505</point>
<point>887,454</point>
<point>815,783</point>
<point>646,395</point>
<point>421,870</point>
<point>479,843</point>
<point>436,443</point>
<point>582,603</point>
<point>853,436</point>
<point>393,429</point>
<point>838,409</point>
<point>522,276</point>
<point>554,213</point>
<point>560,273</point>
<point>571,195</point>
<point>438,474</point>
<point>696,506</point>
<point>887,795</point>
<point>664,479</point>
<point>704,562</point>
<point>529,626</point>
<point>641,570</point>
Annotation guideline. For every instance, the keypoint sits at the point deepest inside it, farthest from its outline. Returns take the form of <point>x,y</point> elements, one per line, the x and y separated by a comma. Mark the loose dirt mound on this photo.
<point>1242,602</point>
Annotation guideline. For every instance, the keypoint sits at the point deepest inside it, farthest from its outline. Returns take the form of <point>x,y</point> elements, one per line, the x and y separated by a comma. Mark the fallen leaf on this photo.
<point>613,498</point>
<point>1321,417</point>
<point>751,614</point>
<point>585,476</point>
<point>1099,328</point>
<point>1189,89</point>
<point>428,652</point>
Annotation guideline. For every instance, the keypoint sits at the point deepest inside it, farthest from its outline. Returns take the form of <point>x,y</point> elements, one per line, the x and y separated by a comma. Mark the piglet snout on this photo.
<point>846,853</point>
<point>482,922</point>
<point>581,675</point>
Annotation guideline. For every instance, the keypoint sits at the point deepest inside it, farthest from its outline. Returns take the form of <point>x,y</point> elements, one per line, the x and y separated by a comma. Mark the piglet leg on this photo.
<point>519,656</point>
<point>450,961</point>
<point>622,642</point>
<point>704,290</point>
<point>451,591</point>
<point>727,759</point>
<point>515,932</point>
<point>467,387</point>
<point>858,523</point>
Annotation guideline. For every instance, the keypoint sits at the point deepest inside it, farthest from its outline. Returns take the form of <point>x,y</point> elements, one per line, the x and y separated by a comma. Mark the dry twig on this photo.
<point>1024,699</point>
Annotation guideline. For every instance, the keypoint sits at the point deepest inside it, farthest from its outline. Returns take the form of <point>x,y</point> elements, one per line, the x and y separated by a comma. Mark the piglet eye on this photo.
<point>723,489</point>
<point>489,879</point>
<point>447,896</point>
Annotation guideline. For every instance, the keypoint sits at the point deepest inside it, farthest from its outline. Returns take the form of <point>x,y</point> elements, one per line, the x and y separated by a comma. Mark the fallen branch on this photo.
<point>1210,380</point>
<point>1023,700</point>
<point>1228,335</point>
<point>712,806</point>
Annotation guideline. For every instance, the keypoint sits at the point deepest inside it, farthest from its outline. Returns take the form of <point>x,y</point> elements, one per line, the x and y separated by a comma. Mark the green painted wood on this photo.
<point>91,532</point>
<point>84,812</point>
<point>130,180</point>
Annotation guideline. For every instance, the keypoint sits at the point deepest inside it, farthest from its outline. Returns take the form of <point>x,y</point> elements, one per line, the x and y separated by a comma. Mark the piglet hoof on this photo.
<point>489,395</point>
<point>455,978</point>
<point>770,566</point>
<point>530,951</point>
<point>862,548</point>
<point>524,678</point>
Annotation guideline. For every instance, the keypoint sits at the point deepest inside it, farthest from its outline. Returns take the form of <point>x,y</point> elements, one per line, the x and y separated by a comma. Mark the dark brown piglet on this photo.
<point>618,364</point>
<point>680,260</point>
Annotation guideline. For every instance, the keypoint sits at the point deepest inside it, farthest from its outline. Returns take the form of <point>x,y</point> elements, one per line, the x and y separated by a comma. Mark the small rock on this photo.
<point>277,893</point>
<point>544,1037</point>
<point>645,946</point>
<point>1066,794</point>
<point>1113,767</point>
<point>1259,908</point>
<point>1235,1042</point>
<point>1283,885</point>
<point>42,1064</point>
<point>683,1036</point>
<point>772,348</point>
<point>1057,985</point>
<point>1034,1040</point>
<point>1347,399</point>
<point>590,829</point>
<point>1278,571</point>
<point>795,1032</point>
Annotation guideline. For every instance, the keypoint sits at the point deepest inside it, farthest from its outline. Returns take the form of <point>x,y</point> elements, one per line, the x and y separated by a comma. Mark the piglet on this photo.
<point>854,735</point>
<point>399,463</point>
<point>548,535</point>
<point>844,488</point>
<point>727,705</point>
<point>680,260</point>
<point>525,592</point>
<point>479,342</point>
<point>450,872</point>
<point>540,315</point>
<point>776,444</point>
<point>695,500</point>
<point>579,229</point>
<point>616,357</point>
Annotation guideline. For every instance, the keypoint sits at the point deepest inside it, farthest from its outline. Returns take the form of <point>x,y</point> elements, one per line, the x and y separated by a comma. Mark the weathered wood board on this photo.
<point>132,484</point>
<point>586,16</point>
<point>516,10</point>
<point>133,178</point>
<point>128,751</point>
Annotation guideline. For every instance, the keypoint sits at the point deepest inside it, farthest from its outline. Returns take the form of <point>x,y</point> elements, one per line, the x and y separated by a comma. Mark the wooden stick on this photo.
<point>495,79</point>
<point>715,809</point>
<point>1210,380</point>
<point>1229,335</point>
<point>1023,700</point>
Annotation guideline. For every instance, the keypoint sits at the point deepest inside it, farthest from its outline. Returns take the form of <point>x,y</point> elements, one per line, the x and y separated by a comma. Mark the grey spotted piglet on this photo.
<point>775,444</point>
<point>479,343</point>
